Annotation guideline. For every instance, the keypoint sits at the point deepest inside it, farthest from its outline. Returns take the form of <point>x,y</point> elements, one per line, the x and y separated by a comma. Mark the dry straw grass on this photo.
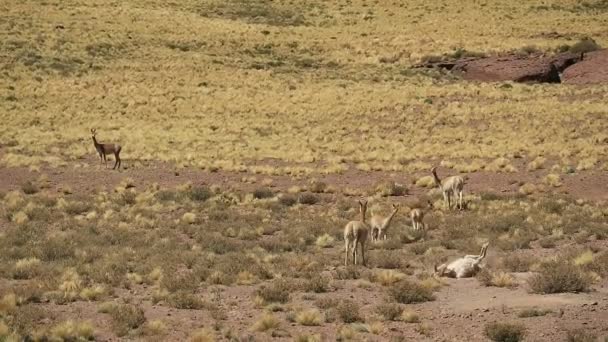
<point>322,65</point>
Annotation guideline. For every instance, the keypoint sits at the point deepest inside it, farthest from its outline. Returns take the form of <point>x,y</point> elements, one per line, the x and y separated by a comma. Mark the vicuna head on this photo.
<point>362,209</point>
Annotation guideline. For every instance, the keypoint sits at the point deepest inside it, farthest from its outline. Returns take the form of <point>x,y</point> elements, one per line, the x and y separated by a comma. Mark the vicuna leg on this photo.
<point>355,250</point>
<point>117,161</point>
<point>460,200</point>
<point>346,251</point>
<point>363,252</point>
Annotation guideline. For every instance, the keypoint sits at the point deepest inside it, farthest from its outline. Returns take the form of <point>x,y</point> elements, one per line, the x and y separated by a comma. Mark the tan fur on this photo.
<point>355,233</point>
<point>417,216</point>
<point>380,224</point>
<point>464,267</point>
<point>450,186</point>
<point>105,149</point>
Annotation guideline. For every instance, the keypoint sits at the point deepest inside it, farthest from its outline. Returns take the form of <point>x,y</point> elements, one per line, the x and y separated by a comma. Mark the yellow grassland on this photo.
<point>218,84</point>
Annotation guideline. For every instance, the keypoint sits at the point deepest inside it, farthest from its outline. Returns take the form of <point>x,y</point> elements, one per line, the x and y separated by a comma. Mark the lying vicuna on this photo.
<point>465,267</point>
<point>417,216</point>
<point>104,149</point>
<point>380,224</point>
<point>450,186</point>
<point>355,233</point>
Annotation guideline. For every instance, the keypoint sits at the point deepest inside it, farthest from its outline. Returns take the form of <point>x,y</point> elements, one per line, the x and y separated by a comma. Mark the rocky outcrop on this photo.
<point>565,67</point>
<point>593,69</point>
<point>509,68</point>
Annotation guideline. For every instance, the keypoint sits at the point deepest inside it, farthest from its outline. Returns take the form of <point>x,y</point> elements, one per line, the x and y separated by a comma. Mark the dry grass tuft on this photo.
<point>266,322</point>
<point>310,317</point>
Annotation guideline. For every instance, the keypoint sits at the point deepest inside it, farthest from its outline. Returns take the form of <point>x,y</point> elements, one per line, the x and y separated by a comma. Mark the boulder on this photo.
<point>592,69</point>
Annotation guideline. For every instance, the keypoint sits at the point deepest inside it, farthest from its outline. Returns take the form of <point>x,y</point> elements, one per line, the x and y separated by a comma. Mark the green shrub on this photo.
<point>389,311</point>
<point>348,311</point>
<point>308,198</point>
<point>580,335</point>
<point>199,194</point>
<point>126,318</point>
<point>558,277</point>
<point>505,332</point>
<point>533,312</point>
<point>261,193</point>
<point>29,188</point>
<point>277,292</point>
<point>407,292</point>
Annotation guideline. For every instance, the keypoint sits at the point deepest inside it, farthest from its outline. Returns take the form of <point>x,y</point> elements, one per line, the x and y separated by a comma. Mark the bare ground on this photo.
<point>460,312</point>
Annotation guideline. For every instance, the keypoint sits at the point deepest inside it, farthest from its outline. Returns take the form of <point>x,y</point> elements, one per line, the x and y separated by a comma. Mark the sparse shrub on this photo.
<point>287,200</point>
<point>125,318</point>
<point>266,322</point>
<point>199,194</point>
<point>184,300</point>
<point>317,186</point>
<point>29,188</point>
<point>389,311</point>
<point>517,263</point>
<point>584,45</point>
<point>388,260</point>
<point>308,198</point>
<point>348,311</point>
<point>548,242</point>
<point>390,188</point>
<point>348,272</point>
<point>311,317</point>
<point>317,284</point>
<point>559,276</point>
<point>327,302</point>
<point>580,335</point>
<point>533,312</point>
<point>261,193</point>
<point>505,332</point>
<point>76,207</point>
<point>276,292</point>
<point>407,292</point>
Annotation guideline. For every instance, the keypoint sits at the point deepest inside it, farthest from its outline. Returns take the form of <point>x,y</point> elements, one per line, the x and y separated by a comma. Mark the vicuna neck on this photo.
<point>437,180</point>
<point>390,217</point>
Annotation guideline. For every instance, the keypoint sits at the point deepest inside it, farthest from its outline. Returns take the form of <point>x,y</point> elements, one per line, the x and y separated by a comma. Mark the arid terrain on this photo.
<point>249,131</point>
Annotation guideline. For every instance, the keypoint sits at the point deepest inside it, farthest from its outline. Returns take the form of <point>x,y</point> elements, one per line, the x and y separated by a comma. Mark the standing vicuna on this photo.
<point>450,186</point>
<point>355,233</point>
<point>464,267</point>
<point>381,224</point>
<point>104,149</point>
<point>417,216</point>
